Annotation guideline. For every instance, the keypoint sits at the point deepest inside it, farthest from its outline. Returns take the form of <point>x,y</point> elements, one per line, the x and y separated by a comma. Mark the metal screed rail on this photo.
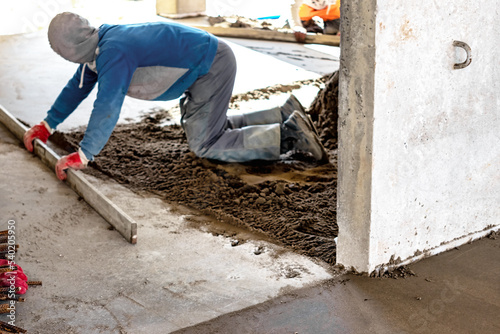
<point>77,181</point>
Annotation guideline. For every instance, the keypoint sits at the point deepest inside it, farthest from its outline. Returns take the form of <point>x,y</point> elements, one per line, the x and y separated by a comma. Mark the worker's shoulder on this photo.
<point>136,28</point>
<point>117,39</point>
<point>112,55</point>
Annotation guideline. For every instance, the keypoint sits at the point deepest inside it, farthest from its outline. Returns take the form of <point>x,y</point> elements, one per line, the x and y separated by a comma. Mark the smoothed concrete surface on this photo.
<point>317,58</point>
<point>452,293</point>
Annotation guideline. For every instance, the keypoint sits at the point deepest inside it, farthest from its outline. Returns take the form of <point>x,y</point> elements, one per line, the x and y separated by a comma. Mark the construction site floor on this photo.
<point>181,278</point>
<point>184,277</point>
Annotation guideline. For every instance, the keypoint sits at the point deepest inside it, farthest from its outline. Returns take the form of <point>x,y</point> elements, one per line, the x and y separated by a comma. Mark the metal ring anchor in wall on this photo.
<point>467,49</point>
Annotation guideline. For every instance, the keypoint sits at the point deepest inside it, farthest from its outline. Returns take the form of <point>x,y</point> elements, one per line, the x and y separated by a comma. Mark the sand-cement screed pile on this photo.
<point>293,202</point>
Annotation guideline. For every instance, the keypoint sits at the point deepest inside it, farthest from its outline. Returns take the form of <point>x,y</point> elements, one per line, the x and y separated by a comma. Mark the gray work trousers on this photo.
<point>211,133</point>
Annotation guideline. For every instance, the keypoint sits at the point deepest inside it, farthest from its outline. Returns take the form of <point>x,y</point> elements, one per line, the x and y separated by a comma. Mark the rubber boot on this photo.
<point>269,116</point>
<point>289,107</point>
<point>298,135</point>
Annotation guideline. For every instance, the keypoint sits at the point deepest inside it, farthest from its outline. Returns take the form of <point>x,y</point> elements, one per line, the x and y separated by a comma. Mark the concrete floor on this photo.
<point>454,292</point>
<point>184,276</point>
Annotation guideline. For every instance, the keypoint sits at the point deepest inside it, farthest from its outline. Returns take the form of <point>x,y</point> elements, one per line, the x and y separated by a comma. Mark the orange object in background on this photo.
<point>329,13</point>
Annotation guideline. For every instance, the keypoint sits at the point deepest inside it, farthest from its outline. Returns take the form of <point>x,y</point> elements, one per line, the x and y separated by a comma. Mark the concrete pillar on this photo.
<point>356,88</point>
<point>419,164</point>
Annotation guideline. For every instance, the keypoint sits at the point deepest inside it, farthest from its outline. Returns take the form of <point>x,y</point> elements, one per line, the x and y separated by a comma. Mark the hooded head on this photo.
<point>71,37</point>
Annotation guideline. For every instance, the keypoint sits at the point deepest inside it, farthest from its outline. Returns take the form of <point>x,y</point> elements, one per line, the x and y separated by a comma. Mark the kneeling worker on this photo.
<point>304,12</point>
<point>163,61</point>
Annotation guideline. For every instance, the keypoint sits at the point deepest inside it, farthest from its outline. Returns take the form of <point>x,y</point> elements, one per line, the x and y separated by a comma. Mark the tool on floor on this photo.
<point>6,290</point>
<point>7,247</point>
<point>4,297</point>
<point>77,181</point>
<point>7,328</point>
<point>13,284</point>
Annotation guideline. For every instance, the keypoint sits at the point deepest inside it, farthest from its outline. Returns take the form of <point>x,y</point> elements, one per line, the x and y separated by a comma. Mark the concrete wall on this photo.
<point>420,163</point>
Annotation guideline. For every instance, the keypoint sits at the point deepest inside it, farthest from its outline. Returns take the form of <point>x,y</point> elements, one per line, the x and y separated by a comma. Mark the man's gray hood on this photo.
<point>71,37</point>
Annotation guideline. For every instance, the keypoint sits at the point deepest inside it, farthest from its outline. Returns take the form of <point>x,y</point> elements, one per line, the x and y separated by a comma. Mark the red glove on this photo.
<point>17,273</point>
<point>4,262</point>
<point>39,131</point>
<point>75,160</point>
<point>18,283</point>
<point>20,280</point>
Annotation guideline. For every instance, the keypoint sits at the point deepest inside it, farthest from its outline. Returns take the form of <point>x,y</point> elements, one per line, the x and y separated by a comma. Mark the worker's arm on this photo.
<point>67,101</point>
<point>295,23</point>
<point>295,18</point>
<point>115,75</point>
<point>71,96</point>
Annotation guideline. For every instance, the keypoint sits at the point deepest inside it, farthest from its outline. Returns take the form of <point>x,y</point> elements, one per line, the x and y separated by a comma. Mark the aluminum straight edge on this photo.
<point>122,222</point>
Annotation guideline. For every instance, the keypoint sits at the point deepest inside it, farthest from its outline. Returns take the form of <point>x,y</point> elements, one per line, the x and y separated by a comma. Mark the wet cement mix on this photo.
<point>292,201</point>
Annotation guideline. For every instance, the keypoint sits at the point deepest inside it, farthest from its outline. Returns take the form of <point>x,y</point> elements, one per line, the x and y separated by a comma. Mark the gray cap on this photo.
<point>71,37</point>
